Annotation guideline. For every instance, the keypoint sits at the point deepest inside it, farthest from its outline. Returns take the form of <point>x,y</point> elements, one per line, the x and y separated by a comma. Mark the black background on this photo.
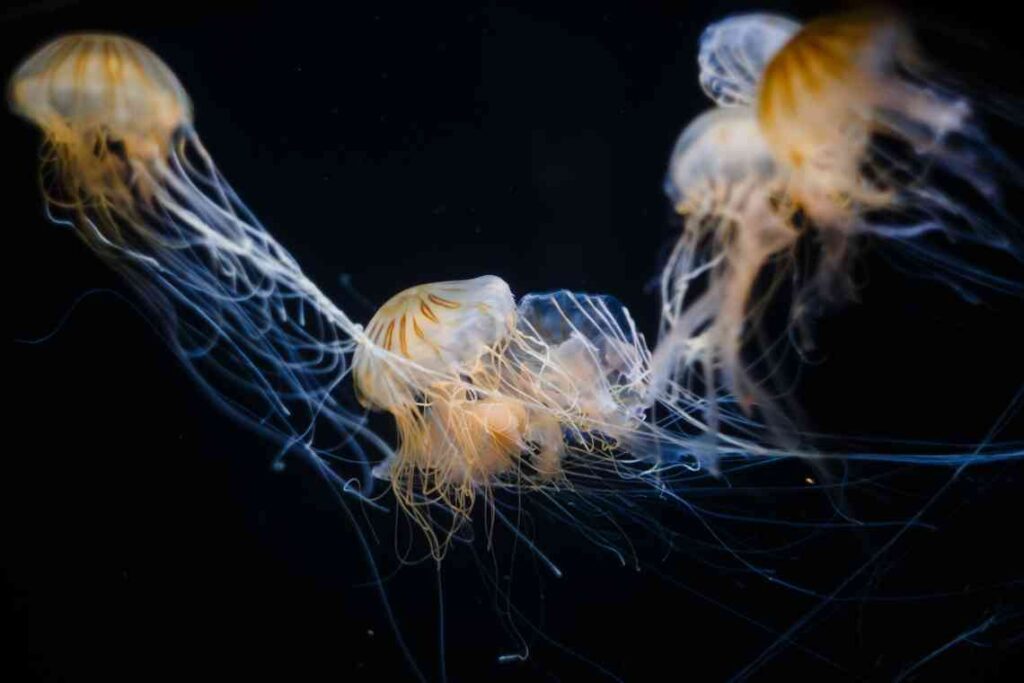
<point>146,536</point>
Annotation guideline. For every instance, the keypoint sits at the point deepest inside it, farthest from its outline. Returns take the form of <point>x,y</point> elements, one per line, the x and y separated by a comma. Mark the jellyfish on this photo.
<point>433,366</point>
<point>487,395</point>
<point>725,183</point>
<point>822,134</point>
<point>123,166</point>
<point>828,91</point>
<point>861,125</point>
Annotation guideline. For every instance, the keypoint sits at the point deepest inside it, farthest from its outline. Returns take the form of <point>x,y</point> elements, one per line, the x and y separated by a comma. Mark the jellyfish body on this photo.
<point>123,165</point>
<point>725,183</point>
<point>443,328</point>
<point>824,96</point>
<point>432,363</point>
<point>831,130</point>
<point>487,395</point>
<point>734,52</point>
<point>874,145</point>
<point>79,87</point>
<point>595,359</point>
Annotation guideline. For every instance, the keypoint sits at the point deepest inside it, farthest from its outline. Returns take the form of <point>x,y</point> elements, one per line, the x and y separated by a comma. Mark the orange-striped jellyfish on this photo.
<point>828,91</point>
<point>434,364</point>
<point>122,165</point>
<point>489,395</point>
<point>824,133</point>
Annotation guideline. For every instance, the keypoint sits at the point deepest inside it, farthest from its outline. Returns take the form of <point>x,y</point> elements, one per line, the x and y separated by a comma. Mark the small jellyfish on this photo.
<point>726,185</point>
<point>123,166</point>
<point>443,328</point>
<point>734,52</point>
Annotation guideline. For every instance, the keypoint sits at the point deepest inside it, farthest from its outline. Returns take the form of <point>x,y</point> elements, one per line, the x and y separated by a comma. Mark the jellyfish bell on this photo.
<point>95,81</point>
<point>124,167</point>
<point>90,91</point>
<point>733,53</point>
<point>829,91</point>
<point>443,330</point>
<point>720,150</point>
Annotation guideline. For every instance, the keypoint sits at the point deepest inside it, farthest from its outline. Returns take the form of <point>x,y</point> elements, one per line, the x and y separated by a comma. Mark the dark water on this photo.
<point>146,536</point>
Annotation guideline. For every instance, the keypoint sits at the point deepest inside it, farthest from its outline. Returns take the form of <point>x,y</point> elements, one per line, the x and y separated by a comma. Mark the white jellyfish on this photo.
<point>733,53</point>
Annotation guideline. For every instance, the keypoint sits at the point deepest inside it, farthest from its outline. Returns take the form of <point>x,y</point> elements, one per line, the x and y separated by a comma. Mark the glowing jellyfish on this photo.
<point>831,131</point>
<point>432,365</point>
<point>832,87</point>
<point>871,143</point>
<point>734,52</point>
<point>724,181</point>
<point>123,165</point>
<point>94,88</point>
<point>486,395</point>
